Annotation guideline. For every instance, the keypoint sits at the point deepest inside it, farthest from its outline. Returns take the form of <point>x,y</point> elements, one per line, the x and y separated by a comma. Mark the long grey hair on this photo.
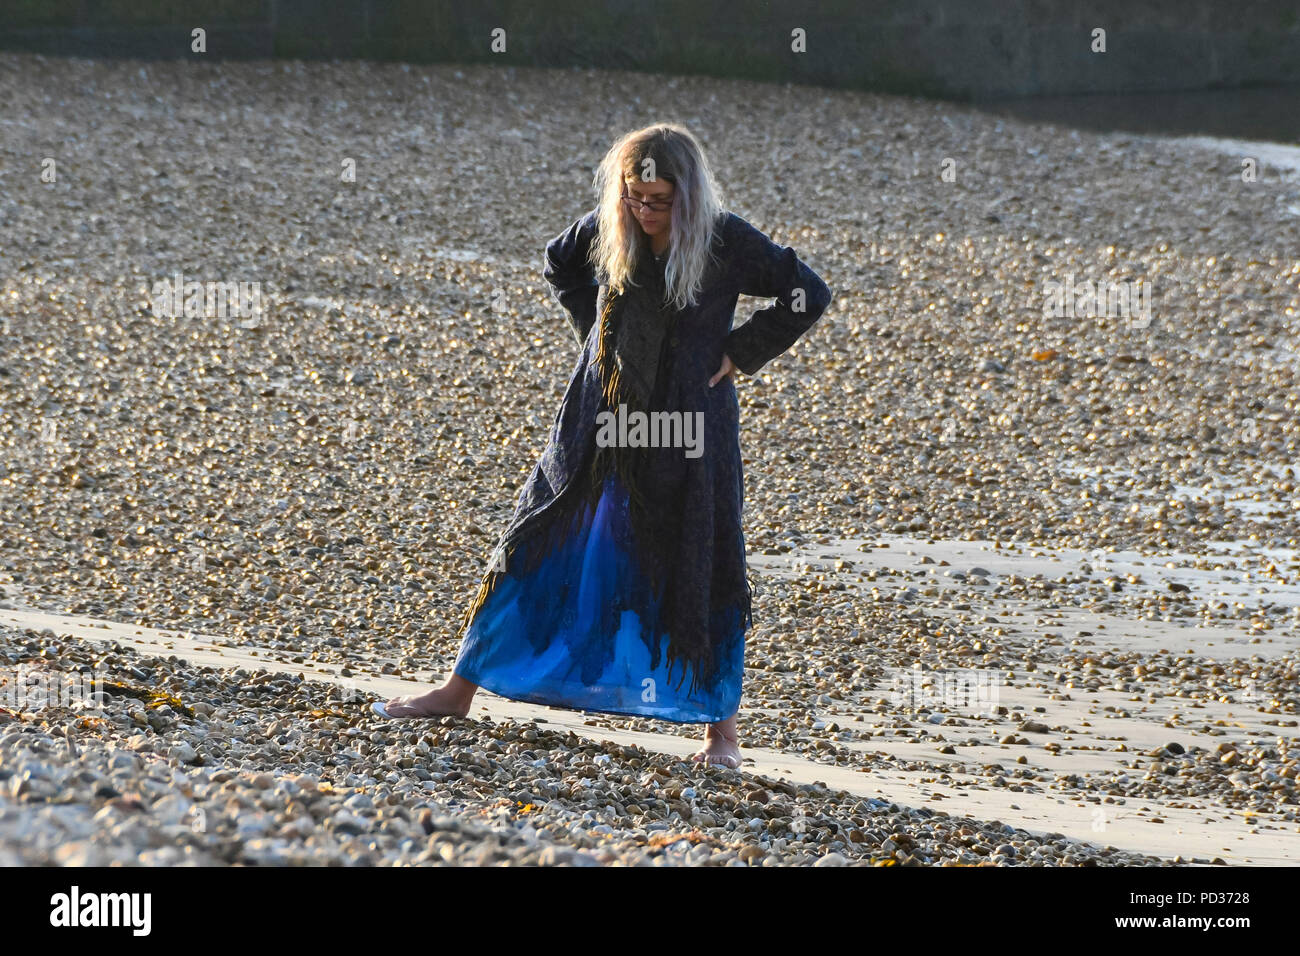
<point>664,151</point>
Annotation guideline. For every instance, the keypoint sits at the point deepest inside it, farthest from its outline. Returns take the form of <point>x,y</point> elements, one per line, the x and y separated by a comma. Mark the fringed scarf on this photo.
<point>633,326</point>
<point>631,332</point>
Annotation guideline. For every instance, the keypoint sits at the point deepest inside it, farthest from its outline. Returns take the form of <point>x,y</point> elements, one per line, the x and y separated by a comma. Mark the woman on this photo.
<point>619,585</point>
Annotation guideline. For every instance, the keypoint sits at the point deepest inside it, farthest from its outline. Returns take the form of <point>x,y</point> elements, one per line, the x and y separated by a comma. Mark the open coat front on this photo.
<point>702,496</point>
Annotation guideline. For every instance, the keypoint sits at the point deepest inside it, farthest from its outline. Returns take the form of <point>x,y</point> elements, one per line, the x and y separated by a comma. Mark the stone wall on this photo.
<point>951,48</point>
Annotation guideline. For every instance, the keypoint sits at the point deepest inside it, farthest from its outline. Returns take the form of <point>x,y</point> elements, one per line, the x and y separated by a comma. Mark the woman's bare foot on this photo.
<point>452,699</point>
<point>721,745</point>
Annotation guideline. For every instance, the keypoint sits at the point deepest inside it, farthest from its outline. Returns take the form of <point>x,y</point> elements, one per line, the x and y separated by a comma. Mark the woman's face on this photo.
<point>653,221</point>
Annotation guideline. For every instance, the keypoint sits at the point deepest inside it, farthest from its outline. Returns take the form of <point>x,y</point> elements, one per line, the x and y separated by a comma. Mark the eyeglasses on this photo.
<point>657,206</point>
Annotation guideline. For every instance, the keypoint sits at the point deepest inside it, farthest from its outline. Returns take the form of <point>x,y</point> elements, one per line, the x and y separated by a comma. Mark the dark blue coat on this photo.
<point>706,492</point>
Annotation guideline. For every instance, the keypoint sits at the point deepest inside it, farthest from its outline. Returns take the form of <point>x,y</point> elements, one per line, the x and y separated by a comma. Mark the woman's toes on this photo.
<point>722,760</point>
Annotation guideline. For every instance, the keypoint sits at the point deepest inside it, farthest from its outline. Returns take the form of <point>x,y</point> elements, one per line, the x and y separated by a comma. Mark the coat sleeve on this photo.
<point>571,276</point>
<point>767,270</point>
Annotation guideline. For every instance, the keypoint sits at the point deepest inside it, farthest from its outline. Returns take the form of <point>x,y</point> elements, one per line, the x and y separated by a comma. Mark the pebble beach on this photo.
<point>252,527</point>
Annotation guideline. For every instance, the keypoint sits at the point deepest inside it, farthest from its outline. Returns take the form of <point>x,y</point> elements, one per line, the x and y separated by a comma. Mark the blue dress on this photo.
<point>566,615</point>
<point>546,637</point>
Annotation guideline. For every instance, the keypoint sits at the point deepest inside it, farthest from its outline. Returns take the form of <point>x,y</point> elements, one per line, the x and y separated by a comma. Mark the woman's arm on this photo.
<point>771,271</point>
<point>571,276</point>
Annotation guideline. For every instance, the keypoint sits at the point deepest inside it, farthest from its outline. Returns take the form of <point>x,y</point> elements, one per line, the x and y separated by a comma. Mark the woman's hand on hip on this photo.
<point>726,369</point>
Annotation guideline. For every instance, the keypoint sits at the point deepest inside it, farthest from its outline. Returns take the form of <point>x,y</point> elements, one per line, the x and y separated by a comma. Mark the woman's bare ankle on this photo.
<point>458,690</point>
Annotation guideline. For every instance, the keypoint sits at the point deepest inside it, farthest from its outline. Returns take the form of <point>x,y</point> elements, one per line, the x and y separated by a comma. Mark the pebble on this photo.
<point>369,479</point>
